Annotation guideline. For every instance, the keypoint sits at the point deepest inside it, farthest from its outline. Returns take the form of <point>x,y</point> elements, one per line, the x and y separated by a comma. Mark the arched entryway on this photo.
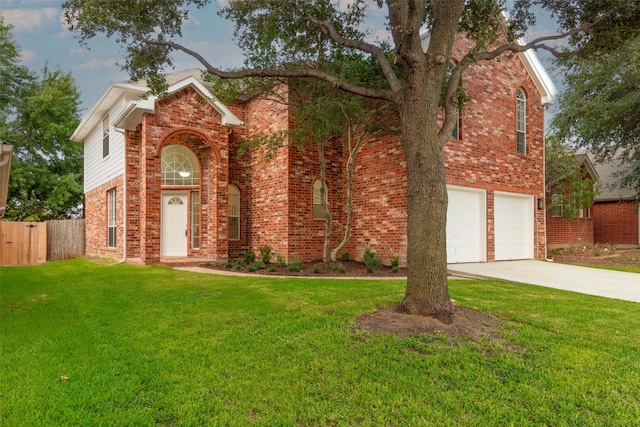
<point>180,210</point>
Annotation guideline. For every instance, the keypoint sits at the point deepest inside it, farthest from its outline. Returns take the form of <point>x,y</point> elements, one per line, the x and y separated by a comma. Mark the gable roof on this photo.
<point>131,115</point>
<point>584,161</point>
<point>610,174</point>
<point>532,65</point>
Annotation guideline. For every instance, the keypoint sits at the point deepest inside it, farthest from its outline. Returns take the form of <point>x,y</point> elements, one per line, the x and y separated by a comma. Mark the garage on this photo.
<point>513,225</point>
<point>466,225</point>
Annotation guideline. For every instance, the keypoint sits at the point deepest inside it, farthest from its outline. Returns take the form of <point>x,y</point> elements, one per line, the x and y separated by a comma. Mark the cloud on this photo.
<point>76,51</point>
<point>30,20</point>
<point>27,56</point>
<point>96,64</point>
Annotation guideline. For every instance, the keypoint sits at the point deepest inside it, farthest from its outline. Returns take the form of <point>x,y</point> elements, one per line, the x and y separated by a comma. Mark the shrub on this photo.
<point>317,270</point>
<point>260,264</point>
<point>371,260</point>
<point>280,261</point>
<point>265,253</point>
<point>337,267</point>
<point>272,269</point>
<point>228,264</point>
<point>252,267</point>
<point>249,257</point>
<point>238,263</point>
<point>395,263</point>
<point>344,256</point>
<point>295,265</point>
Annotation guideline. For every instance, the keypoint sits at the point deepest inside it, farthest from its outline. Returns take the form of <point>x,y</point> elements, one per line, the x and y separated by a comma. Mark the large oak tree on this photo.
<point>38,114</point>
<point>600,110</point>
<point>288,38</point>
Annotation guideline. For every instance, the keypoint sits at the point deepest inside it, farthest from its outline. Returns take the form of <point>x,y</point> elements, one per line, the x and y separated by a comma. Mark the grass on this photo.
<point>88,344</point>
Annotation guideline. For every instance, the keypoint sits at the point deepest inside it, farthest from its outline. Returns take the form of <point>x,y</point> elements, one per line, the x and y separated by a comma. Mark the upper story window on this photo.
<point>105,137</point>
<point>455,133</point>
<point>320,200</point>
<point>234,212</point>
<point>179,166</point>
<point>521,122</point>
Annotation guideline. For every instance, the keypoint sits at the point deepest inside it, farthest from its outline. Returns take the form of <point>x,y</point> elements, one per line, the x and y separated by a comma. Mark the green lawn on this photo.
<point>87,344</point>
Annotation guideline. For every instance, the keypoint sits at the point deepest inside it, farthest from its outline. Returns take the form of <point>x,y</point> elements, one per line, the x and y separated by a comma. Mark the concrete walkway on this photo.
<point>591,281</point>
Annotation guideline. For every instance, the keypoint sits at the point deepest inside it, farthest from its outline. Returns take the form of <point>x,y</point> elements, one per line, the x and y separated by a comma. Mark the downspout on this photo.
<point>124,198</point>
<point>544,187</point>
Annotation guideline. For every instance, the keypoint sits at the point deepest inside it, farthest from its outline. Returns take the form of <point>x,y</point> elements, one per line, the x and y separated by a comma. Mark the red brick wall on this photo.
<point>562,233</point>
<point>277,196</point>
<point>95,211</point>
<point>484,157</point>
<point>182,118</point>
<point>263,184</point>
<point>615,222</point>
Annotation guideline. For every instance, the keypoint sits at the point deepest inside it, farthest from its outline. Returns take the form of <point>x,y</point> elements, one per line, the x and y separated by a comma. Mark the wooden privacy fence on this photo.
<point>38,242</point>
<point>65,239</point>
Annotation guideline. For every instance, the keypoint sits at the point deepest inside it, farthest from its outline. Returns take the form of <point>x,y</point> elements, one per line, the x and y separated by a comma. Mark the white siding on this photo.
<point>99,170</point>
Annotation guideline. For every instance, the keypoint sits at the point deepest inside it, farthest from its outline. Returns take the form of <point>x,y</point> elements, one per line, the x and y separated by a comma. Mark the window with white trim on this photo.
<point>320,200</point>
<point>105,137</point>
<point>234,213</point>
<point>557,210</point>
<point>521,122</point>
<point>179,166</point>
<point>111,218</point>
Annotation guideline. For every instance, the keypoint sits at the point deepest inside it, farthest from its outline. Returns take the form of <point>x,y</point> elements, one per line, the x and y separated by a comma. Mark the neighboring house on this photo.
<point>615,210</point>
<point>163,182</point>
<point>563,232</point>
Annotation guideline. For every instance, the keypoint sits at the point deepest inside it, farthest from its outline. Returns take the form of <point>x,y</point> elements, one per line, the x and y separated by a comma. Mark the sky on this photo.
<point>40,32</point>
<point>44,40</point>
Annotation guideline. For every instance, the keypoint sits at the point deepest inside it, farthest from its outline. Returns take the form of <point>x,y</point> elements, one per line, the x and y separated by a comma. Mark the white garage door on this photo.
<point>513,224</point>
<point>466,225</point>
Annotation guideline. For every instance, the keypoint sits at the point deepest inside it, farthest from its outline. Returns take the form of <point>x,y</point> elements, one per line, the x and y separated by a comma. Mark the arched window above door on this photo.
<point>179,166</point>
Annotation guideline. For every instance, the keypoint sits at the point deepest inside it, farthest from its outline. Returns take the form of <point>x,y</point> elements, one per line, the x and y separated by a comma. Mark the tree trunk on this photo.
<point>328,229</point>
<point>427,291</point>
<point>353,149</point>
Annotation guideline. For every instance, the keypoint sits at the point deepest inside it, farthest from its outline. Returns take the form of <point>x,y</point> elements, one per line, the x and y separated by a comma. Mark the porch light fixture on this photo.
<point>184,174</point>
<point>5,167</point>
<point>540,204</point>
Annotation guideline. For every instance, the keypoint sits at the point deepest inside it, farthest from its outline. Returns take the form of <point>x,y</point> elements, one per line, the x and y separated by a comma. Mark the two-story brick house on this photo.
<point>163,181</point>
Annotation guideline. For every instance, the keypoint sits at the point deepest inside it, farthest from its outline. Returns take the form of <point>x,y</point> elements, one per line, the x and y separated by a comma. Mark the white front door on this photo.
<point>174,225</point>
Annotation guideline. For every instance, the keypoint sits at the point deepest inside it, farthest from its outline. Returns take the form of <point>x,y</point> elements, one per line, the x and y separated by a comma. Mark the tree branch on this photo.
<point>385,94</point>
<point>538,43</point>
<point>329,30</point>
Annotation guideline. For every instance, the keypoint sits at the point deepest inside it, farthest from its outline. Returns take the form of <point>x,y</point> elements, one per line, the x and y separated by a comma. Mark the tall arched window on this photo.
<point>320,200</point>
<point>179,166</point>
<point>234,212</point>
<point>521,122</point>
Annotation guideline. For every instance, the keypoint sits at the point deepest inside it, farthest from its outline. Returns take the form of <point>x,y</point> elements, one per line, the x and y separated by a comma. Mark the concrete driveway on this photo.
<point>592,281</point>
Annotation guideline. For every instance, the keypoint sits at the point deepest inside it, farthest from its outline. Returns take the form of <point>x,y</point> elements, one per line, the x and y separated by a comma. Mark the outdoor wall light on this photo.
<point>540,204</point>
